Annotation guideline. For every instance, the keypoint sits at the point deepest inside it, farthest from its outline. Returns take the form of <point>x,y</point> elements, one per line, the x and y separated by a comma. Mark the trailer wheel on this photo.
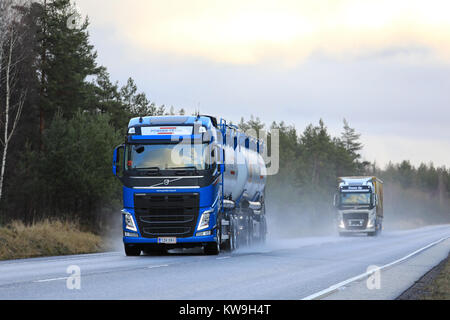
<point>263,231</point>
<point>131,250</point>
<point>250,232</point>
<point>230,244</point>
<point>235,240</point>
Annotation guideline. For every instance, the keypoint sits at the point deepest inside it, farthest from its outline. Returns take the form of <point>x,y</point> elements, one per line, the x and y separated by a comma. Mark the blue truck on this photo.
<point>190,181</point>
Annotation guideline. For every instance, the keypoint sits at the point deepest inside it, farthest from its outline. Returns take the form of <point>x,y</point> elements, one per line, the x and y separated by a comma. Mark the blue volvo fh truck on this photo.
<point>190,181</point>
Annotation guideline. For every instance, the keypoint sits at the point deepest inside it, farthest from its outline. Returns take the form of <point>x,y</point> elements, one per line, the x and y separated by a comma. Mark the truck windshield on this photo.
<point>166,156</point>
<point>349,198</point>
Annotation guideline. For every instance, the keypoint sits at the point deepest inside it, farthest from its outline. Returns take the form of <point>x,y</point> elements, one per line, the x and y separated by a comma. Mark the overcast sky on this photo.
<point>382,65</point>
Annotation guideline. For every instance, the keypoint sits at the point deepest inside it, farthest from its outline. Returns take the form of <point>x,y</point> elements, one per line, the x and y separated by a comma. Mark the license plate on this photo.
<point>356,223</point>
<point>167,240</point>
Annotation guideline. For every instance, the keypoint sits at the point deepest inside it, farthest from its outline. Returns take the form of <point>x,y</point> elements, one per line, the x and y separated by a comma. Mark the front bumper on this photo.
<point>189,240</point>
<point>344,230</point>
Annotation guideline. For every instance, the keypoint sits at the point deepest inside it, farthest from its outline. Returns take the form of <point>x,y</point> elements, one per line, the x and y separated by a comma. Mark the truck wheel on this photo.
<point>372,234</point>
<point>263,231</point>
<point>235,240</point>
<point>264,236</point>
<point>230,244</point>
<point>250,233</point>
<point>212,249</point>
<point>131,250</point>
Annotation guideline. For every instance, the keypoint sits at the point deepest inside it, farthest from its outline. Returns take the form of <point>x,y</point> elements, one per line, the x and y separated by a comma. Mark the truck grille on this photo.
<point>355,220</point>
<point>168,215</point>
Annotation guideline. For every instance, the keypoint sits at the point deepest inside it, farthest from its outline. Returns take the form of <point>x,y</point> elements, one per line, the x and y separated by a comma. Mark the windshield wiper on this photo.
<point>182,170</point>
<point>151,170</point>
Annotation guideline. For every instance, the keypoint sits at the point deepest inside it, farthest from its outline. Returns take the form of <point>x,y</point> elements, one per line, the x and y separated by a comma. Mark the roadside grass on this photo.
<point>439,288</point>
<point>46,238</point>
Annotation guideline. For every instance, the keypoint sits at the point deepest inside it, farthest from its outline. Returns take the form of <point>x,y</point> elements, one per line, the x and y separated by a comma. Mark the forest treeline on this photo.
<point>62,115</point>
<point>70,115</point>
<point>300,196</point>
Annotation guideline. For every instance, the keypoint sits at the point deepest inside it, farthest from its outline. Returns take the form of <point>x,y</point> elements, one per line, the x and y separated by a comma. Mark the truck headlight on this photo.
<point>341,222</point>
<point>371,222</point>
<point>129,221</point>
<point>204,220</point>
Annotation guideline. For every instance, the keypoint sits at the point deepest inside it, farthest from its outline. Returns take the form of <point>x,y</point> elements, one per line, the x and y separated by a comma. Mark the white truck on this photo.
<point>359,204</point>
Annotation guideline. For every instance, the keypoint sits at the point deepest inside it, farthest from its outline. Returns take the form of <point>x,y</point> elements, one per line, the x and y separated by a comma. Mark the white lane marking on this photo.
<point>54,279</point>
<point>366,274</point>
<point>58,258</point>
<point>65,278</point>
<point>158,266</point>
<point>221,258</point>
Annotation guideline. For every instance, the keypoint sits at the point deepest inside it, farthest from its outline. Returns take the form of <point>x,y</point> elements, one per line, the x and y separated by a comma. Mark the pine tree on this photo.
<point>350,139</point>
<point>66,60</point>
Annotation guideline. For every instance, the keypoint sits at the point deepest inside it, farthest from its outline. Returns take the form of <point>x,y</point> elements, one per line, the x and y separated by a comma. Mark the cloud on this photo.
<point>287,31</point>
<point>396,149</point>
<point>381,74</point>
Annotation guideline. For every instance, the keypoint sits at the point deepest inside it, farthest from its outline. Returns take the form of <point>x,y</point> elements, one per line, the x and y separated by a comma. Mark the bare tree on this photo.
<point>11,103</point>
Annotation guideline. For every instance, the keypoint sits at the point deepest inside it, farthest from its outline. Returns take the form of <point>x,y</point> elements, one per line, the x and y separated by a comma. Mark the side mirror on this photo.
<point>117,156</point>
<point>335,200</point>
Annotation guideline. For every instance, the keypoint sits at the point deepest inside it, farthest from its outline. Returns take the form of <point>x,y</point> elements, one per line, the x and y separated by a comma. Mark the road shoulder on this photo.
<point>434,285</point>
<point>395,280</point>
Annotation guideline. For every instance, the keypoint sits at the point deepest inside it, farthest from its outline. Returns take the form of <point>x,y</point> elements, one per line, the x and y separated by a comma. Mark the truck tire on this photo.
<point>212,249</point>
<point>377,230</point>
<point>263,233</point>
<point>131,250</point>
<point>250,239</point>
<point>230,244</point>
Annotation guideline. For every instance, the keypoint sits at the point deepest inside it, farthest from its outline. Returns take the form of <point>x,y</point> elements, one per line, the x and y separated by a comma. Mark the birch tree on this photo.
<point>11,102</point>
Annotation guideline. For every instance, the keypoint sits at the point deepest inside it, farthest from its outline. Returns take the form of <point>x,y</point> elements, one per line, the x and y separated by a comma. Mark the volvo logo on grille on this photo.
<point>165,182</point>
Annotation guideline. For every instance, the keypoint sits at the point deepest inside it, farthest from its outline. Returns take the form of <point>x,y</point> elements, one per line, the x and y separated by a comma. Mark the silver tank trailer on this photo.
<point>245,174</point>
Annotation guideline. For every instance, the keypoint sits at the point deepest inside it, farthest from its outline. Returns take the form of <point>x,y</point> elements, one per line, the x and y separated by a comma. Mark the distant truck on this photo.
<point>359,204</point>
